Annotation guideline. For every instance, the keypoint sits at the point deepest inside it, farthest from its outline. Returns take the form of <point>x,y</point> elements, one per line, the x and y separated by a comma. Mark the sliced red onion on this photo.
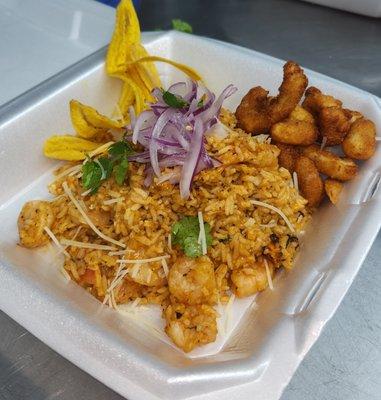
<point>214,110</point>
<point>175,137</point>
<point>176,88</point>
<point>145,118</point>
<point>132,114</point>
<point>192,93</point>
<point>191,160</point>
<point>160,124</point>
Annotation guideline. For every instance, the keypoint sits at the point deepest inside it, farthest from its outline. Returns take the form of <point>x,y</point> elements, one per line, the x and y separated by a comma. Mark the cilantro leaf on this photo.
<point>100,169</point>
<point>120,149</point>
<point>106,165</point>
<point>91,175</point>
<point>191,247</point>
<point>174,101</point>
<point>182,26</point>
<point>120,171</point>
<point>185,234</point>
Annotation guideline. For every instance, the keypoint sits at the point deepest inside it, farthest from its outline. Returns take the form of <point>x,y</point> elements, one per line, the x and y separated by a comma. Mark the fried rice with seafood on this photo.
<point>250,241</point>
<point>181,203</point>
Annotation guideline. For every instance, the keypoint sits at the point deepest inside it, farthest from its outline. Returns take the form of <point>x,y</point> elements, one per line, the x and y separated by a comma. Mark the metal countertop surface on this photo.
<point>345,362</point>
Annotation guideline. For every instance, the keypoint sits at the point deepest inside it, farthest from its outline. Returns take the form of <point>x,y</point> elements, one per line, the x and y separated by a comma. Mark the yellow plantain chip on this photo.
<point>126,100</point>
<point>126,33</point>
<point>147,71</point>
<point>87,121</point>
<point>69,148</point>
<point>139,98</point>
<point>184,68</point>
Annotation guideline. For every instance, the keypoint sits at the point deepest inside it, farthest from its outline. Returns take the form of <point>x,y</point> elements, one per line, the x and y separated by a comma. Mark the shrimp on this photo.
<point>33,218</point>
<point>250,280</point>
<point>298,129</point>
<point>333,189</point>
<point>145,274</point>
<point>257,112</point>
<point>288,156</point>
<point>332,119</point>
<point>360,143</point>
<point>192,281</point>
<point>191,326</point>
<point>311,185</point>
<point>330,164</point>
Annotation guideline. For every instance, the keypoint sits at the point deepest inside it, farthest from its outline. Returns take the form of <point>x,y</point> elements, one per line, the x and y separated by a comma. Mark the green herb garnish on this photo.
<point>182,26</point>
<point>120,171</point>
<point>94,172</point>
<point>185,234</point>
<point>91,176</point>
<point>174,101</point>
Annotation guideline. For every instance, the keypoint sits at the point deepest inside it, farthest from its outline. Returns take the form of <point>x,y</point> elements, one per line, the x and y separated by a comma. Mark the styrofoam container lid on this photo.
<point>270,334</point>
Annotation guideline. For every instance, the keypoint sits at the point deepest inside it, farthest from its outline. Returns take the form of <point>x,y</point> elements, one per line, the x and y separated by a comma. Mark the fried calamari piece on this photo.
<point>190,326</point>
<point>310,183</point>
<point>192,281</point>
<point>315,100</point>
<point>360,143</point>
<point>327,163</point>
<point>290,92</point>
<point>334,125</point>
<point>333,189</point>
<point>353,115</point>
<point>252,115</point>
<point>298,129</point>
<point>33,218</point>
<point>257,112</point>
<point>251,279</point>
<point>332,119</point>
<point>288,156</point>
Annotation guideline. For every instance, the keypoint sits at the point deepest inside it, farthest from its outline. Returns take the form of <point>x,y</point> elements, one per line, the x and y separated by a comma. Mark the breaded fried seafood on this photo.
<point>257,111</point>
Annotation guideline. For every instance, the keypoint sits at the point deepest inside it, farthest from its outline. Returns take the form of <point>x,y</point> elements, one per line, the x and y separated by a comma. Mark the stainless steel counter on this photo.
<point>345,363</point>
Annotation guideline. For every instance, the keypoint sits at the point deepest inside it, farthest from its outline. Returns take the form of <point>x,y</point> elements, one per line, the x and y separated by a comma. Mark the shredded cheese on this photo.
<point>113,302</point>
<point>100,149</point>
<point>135,270</point>
<point>228,310</point>
<point>170,241</point>
<point>143,260</point>
<point>106,298</point>
<point>120,252</point>
<point>72,170</point>
<point>271,224</point>
<point>275,209</point>
<point>112,201</point>
<point>56,241</point>
<point>118,281</point>
<point>202,236</point>
<point>86,192</point>
<point>149,276</point>
<point>165,267</point>
<point>135,303</point>
<point>65,273</point>
<point>295,179</point>
<point>87,219</point>
<point>85,245</point>
<point>268,273</point>
<point>323,142</point>
<point>103,176</point>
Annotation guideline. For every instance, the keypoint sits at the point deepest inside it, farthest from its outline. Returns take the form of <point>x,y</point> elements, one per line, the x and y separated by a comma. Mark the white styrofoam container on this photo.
<point>274,334</point>
<point>371,8</point>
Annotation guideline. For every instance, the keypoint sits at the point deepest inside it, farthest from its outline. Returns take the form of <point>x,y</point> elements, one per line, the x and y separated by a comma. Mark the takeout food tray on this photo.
<point>259,358</point>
